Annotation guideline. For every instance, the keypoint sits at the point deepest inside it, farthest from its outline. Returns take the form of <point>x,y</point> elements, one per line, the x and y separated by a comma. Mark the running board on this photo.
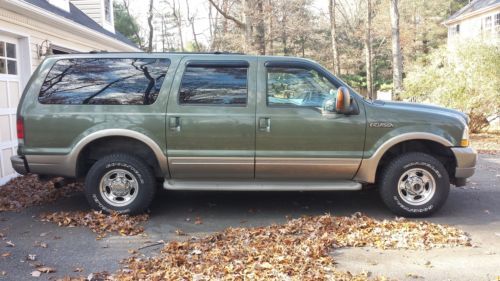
<point>262,185</point>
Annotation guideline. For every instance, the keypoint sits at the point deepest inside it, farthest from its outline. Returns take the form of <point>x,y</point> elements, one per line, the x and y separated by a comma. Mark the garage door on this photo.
<point>10,91</point>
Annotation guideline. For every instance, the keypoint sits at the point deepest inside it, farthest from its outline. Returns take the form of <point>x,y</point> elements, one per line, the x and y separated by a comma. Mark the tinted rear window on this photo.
<point>104,81</point>
<point>214,85</point>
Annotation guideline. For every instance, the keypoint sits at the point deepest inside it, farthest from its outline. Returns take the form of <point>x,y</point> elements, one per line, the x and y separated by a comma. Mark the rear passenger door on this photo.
<point>211,119</point>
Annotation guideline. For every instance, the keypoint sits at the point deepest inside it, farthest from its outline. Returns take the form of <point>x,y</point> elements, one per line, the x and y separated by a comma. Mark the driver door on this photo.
<point>294,138</point>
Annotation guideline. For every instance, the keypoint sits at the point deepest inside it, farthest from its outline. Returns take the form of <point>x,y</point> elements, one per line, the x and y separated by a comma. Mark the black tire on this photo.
<point>397,201</point>
<point>144,177</point>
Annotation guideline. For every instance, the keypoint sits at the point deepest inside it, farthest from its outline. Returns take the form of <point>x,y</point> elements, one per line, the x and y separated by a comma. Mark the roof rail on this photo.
<point>188,53</point>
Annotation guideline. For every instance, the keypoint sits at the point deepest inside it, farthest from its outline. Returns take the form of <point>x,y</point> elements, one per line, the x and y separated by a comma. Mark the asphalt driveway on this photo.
<point>474,208</point>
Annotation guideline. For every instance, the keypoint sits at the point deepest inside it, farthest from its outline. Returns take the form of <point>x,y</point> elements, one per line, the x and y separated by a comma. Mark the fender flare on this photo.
<point>368,167</point>
<point>81,144</point>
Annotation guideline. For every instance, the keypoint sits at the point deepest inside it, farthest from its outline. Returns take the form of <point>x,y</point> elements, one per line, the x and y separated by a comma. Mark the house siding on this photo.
<point>472,28</point>
<point>39,32</point>
<point>93,8</point>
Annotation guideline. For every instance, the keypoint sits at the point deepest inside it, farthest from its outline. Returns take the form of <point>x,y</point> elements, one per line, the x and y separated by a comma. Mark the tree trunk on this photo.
<point>397,59</point>
<point>333,32</point>
<point>255,40</point>
<point>178,21</point>
<point>260,30</point>
<point>270,19</point>
<point>247,10</point>
<point>150,24</point>
<point>191,22</point>
<point>368,50</point>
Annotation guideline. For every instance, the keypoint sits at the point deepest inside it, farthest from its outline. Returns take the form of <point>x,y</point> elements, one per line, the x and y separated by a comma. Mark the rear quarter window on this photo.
<point>113,81</point>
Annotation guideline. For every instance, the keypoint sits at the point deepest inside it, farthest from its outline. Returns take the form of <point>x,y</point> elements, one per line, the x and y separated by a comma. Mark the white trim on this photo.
<point>106,24</point>
<point>61,4</point>
<point>63,23</point>
<point>25,59</point>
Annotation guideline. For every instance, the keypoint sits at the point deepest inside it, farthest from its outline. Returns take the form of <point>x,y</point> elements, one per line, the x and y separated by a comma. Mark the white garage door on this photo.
<point>10,91</point>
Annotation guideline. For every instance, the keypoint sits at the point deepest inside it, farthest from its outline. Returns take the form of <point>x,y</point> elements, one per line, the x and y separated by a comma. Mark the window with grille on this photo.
<point>8,58</point>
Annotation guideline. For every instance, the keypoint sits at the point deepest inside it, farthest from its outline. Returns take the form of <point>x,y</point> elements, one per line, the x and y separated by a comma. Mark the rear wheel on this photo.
<point>414,185</point>
<point>120,183</point>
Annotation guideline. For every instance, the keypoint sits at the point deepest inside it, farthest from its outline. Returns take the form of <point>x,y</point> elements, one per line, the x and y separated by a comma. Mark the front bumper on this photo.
<point>466,161</point>
<point>19,164</point>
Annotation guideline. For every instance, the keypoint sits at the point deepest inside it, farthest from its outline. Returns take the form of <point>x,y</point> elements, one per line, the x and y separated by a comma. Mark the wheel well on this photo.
<point>110,145</point>
<point>435,149</point>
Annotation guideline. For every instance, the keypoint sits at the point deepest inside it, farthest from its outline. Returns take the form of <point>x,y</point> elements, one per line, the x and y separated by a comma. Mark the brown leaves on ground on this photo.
<point>488,142</point>
<point>297,250</point>
<point>27,191</point>
<point>98,222</point>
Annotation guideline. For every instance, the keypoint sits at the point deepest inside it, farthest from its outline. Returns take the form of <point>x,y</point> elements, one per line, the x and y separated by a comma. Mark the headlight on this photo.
<point>465,137</point>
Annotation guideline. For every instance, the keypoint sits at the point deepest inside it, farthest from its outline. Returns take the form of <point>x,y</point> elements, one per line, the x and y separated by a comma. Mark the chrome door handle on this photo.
<point>265,124</point>
<point>174,123</point>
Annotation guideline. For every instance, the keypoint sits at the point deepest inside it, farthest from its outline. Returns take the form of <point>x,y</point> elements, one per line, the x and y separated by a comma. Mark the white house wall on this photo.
<point>29,33</point>
<point>39,32</point>
<point>93,9</point>
<point>471,29</point>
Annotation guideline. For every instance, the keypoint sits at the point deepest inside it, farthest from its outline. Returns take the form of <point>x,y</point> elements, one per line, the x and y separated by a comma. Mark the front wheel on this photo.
<point>414,185</point>
<point>120,183</point>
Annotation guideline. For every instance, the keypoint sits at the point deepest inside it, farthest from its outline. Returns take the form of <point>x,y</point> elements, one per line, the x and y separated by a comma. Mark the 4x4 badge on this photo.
<point>381,125</point>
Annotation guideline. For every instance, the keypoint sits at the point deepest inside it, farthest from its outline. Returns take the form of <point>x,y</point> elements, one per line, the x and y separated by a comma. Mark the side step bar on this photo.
<point>262,185</point>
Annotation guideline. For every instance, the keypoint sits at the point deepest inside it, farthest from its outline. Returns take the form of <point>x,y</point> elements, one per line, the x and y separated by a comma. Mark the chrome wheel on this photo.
<point>119,187</point>
<point>416,186</point>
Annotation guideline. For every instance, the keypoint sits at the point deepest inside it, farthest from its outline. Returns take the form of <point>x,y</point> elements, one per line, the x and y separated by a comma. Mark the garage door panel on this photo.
<point>9,98</point>
<point>5,130</point>
<point>13,94</point>
<point>4,101</point>
<point>7,166</point>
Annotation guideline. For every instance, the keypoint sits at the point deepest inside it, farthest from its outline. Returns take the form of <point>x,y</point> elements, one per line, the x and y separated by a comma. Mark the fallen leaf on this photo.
<point>296,250</point>
<point>10,244</point>
<point>31,257</point>
<point>36,273</point>
<point>26,191</point>
<point>78,269</point>
<point>45,269</point>
<point>7,254</point>
<point>179,232</point>
<point>412,275</point>
<point>98,222</point>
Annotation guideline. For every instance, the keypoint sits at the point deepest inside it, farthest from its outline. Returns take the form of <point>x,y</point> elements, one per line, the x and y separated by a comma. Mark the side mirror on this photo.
<point>343,101</point>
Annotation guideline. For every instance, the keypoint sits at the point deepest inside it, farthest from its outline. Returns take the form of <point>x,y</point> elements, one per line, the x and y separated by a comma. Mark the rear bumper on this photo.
<point>19,164</point>
<point>466,161</point>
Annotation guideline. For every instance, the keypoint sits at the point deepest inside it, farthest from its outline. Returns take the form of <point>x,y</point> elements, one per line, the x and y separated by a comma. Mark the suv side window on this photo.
<point>104,81</point>
<point>297,87</point>
<point>214,85</point>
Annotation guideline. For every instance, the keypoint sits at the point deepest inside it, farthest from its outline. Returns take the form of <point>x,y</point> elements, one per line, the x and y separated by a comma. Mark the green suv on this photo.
<point>124,121</point>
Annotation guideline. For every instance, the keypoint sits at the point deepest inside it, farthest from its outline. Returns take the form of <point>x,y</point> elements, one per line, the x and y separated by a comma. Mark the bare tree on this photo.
<point>332,7</point>
<point>150,24</point>
<point>136,31</point>
<point>397,58</point>
<point>368,50</point>
<point>176,13</point>
<point>191,19</point>
<point>253,24</point>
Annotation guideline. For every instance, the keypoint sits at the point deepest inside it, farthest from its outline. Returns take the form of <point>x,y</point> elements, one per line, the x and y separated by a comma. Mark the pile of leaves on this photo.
<point>27,191</point>
<point>488,142</point>
<point>297,250</point>
<point>99,223</point>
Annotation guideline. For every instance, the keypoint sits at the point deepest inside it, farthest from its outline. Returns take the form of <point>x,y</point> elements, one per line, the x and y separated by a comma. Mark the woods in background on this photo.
<point>368,43</point>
